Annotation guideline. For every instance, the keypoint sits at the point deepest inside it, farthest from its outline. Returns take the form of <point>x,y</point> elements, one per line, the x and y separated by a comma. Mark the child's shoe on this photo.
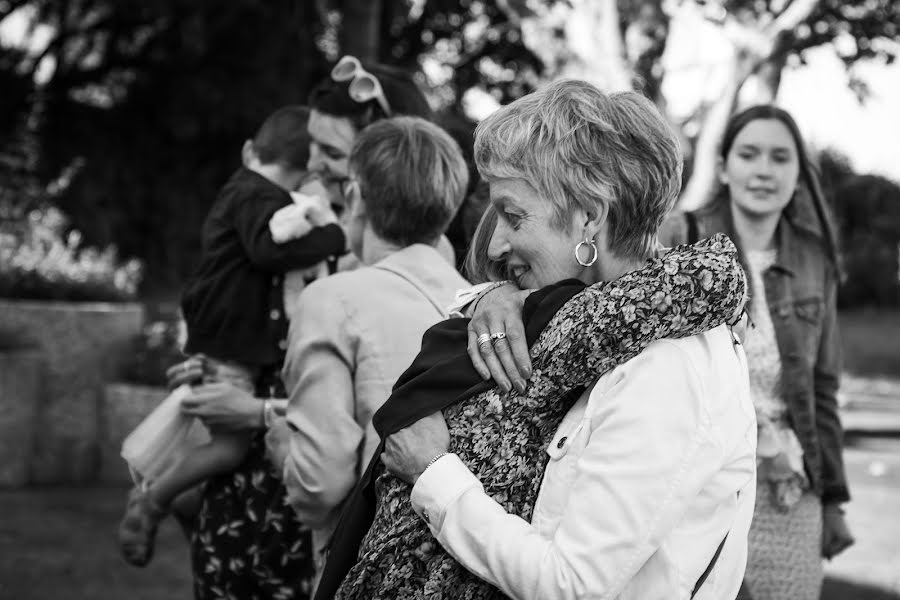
<point>137,530</point>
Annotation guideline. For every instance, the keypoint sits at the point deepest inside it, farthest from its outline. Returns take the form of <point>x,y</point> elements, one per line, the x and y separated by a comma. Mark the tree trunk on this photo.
<point>360,28</point>
<point>768,78</point>
<point>581,41</point>
<point>645,36</point>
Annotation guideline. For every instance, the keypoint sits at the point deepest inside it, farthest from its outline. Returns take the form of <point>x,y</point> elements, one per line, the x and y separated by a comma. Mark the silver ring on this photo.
<point>484,341</point>
<point>496,337</point>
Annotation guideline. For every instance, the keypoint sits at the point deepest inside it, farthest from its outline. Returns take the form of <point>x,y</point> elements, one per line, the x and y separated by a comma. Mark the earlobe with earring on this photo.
<point>593,252</point>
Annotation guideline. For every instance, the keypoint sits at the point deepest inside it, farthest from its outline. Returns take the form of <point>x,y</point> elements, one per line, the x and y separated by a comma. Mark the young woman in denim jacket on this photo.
<point>770,202</point>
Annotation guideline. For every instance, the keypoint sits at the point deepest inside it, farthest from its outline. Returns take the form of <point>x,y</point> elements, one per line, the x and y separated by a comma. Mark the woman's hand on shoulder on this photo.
<point>409,451</point>
<point>497,345</point>
<point>224,406</point>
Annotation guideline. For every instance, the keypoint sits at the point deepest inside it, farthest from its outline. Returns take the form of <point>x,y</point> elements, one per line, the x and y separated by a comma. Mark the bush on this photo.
<point>834,170</point>
<point>41,258</point>
<point>157,348</point>
<point>868,208</point>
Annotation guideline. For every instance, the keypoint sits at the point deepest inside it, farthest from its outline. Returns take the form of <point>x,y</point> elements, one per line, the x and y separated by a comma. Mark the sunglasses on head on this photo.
<point>363,85</point>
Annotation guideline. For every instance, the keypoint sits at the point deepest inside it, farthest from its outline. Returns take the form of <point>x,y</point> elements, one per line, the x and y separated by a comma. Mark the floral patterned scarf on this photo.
<point>502,438</point>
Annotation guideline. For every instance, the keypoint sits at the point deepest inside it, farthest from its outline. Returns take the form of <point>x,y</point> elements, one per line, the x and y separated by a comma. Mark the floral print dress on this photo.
<point>247,542</point>
<point>502,438</point>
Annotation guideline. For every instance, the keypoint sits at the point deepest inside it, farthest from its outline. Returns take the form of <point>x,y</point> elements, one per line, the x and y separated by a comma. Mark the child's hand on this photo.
<point>316,208</point>
<point>321,215</point>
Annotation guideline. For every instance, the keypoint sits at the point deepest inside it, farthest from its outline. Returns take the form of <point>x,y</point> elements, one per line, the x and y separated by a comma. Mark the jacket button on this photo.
<point>274,314</point>
<point>561,442</point>
<point>276,280</point>
<point>783,312</point>
<point>282,344</point>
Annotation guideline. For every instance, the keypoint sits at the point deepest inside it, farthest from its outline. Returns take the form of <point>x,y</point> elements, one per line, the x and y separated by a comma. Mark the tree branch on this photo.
<point>702,183</point>
<point>797,12</point>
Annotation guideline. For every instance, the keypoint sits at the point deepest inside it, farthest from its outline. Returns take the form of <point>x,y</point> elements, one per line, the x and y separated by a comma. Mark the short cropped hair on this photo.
<point>400,89</point>
<point>283,138</point>
<point>579,147</point>
<point>412,178</point>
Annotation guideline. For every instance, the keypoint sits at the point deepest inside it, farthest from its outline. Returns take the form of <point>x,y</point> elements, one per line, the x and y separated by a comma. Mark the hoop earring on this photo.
<point>593,258</point>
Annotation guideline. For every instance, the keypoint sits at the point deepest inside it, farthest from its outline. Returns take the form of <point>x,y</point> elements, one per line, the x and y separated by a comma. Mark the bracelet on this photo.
<point>434,460</point>
<point>267,414</point>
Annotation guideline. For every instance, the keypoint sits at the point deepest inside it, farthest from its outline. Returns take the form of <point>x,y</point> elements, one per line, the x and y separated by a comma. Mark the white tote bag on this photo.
<point>163,436</point>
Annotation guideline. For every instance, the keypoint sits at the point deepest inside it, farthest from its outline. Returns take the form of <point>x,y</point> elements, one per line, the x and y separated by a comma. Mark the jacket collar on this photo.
<point>798,219</point>
<point>424,264</point>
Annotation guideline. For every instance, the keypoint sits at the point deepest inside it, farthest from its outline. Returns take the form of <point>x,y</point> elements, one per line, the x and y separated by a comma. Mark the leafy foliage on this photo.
<point>869,213</point>
<point>157,348</point>
<point>41,260</point>
<point>154,99</point>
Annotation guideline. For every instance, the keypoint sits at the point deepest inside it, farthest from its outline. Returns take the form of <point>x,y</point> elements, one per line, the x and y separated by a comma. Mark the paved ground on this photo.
<point>59,544</point>
<point>874,516</point>
<point>871,418</point>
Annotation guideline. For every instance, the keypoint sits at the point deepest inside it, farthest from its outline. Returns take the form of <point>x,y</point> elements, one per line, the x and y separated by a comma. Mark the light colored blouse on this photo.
<point>776,438</point>
<point>351,336</point>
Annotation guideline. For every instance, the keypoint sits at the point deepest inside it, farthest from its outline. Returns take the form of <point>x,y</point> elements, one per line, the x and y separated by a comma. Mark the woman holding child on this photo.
<point>625,467</point>
<point>246,540</point>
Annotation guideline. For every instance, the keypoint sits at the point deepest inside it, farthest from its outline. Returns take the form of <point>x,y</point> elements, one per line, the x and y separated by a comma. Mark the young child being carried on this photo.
<point>254,234</point>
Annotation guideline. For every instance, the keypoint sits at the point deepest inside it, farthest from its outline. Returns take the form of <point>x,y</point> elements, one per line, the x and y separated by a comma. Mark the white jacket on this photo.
<point>647,473</point>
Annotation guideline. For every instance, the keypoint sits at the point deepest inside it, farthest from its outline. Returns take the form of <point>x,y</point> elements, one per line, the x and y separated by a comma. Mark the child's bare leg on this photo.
<point>137,531</point>
<point>223,453</point>
<point>185,508</point>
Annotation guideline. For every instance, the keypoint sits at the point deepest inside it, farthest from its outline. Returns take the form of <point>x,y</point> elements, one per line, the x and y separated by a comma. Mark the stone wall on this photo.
<point>83,346</point>
<point>21,374</point>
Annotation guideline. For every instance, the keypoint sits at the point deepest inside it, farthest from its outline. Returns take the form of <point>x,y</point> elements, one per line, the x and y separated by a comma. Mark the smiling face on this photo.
<point>762,168</point>
<point>332,140</point>
<point>536,252</point>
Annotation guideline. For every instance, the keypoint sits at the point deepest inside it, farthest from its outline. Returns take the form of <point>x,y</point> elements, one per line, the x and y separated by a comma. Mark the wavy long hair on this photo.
<point>808,184</point>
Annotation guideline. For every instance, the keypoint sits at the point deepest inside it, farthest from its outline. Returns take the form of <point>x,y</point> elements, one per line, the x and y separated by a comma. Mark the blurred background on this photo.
<point>119,121</point>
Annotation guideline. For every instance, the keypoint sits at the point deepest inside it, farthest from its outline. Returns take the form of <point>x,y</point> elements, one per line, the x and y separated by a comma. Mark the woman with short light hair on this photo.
<point>625,468</point>
<point>582,149</point>
<point>411,178</point>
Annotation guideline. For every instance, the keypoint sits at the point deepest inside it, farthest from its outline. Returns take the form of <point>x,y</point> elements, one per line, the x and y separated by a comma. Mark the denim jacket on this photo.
<point>801,293</point>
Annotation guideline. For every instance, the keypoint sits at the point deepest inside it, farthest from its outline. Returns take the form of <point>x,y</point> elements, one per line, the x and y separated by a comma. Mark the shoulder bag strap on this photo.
<point>441,309</point>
